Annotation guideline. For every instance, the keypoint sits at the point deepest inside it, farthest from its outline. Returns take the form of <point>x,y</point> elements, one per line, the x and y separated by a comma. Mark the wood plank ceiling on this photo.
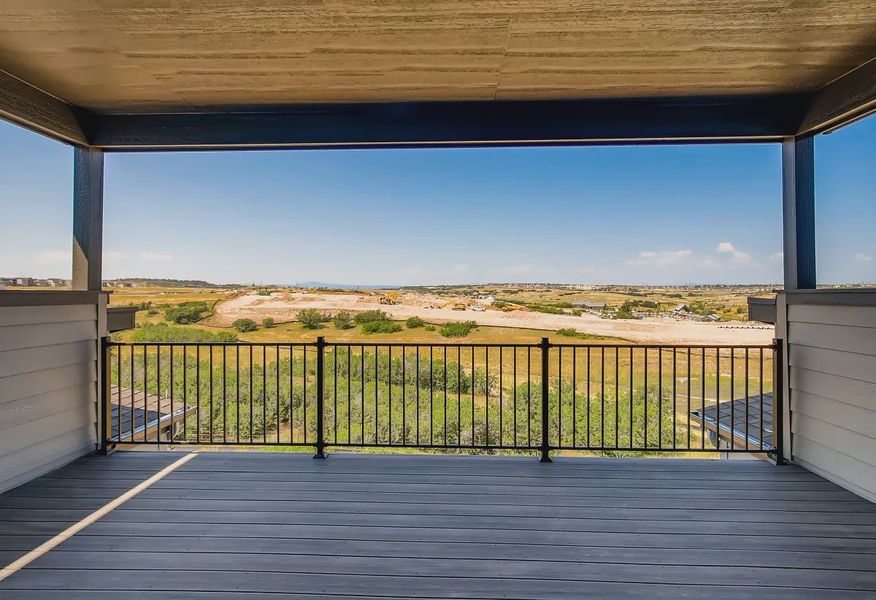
<point>181,55</point>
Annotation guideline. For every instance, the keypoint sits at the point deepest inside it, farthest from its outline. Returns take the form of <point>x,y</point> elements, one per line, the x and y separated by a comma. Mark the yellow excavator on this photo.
<point>390,298</point>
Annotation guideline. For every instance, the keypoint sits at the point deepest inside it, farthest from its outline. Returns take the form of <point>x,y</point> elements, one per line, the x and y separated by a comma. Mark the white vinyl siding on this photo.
<point>832,381</point>
<point>48,374</point>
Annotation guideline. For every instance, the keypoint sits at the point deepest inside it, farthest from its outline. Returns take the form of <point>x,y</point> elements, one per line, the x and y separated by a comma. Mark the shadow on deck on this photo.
<point>255,525</point>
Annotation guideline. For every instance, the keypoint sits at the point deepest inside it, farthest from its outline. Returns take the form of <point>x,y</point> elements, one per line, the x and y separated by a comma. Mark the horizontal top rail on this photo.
<point>369,343</point>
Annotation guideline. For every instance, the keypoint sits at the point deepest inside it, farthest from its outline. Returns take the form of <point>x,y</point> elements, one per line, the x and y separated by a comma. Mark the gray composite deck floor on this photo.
<point>253,526</point>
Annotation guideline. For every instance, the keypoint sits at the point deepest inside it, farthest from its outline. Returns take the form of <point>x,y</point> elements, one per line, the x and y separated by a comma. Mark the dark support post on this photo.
<point>320,398</point>
<point>798,202</point>
<point>106,445</point>
<point>545,391</point>
<point>87,218</point>
<point>778,408</point>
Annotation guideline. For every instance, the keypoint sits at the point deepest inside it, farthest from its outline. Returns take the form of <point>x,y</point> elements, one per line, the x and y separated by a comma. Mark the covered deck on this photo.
<point>270,525</point>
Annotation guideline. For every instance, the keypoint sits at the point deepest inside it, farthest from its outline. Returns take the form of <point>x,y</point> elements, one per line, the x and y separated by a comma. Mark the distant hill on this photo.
<point>341,286</point>
<point>171,282</point>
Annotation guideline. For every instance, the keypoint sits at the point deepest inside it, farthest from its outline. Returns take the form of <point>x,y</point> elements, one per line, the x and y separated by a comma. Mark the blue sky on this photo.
<point>651,215</point>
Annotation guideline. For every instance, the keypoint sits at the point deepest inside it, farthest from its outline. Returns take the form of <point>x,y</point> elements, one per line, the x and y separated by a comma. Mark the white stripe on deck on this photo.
<point>104,510</point>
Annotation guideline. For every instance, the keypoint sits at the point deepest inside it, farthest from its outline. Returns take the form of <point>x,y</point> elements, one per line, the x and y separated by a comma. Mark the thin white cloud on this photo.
<point>665,258</point>
<point>54,257</point>
<point>777,257</point>
<point>738,255</point>
<point>156,256</point>
<point>861,257</point>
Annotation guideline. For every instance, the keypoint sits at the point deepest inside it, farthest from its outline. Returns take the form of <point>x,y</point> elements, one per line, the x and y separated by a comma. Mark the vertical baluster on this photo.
<point>515,395</point>
<point>560,396</point>
<point>574,396</point>
<point>459,395</point>
<point>588,398</point>
<point>674,396</point>
<point>602,397</point>
<point>688,397</point>
<point>616,397</point>
<point>417,393</point>
<point>445,395</point>
<point>404,399</point>
<point>645,398</point>
<point>732,399</point>
<point>760,388</point>
<point>501,399</point>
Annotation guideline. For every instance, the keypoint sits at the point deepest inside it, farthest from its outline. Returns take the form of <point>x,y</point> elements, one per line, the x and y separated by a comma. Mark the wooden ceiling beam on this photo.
<point>843,101</point>
<point>38,111</point>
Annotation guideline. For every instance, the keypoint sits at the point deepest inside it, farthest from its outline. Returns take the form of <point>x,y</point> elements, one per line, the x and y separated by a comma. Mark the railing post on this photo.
<point>545,391</point>
<point>106,411</point>
<point>778,408</point>
<point>320,398</point>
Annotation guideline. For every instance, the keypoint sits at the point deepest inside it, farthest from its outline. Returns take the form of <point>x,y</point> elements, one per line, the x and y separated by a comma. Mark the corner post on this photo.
<point>320,398</point>
<point>798,209</point>
<point>778,407</point>
<point>87,269</point>
<point>87,218</point>
<point>106,412</point>
<point>545,393</point>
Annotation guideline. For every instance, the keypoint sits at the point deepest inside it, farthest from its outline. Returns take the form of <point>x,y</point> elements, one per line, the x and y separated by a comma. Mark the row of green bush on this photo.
<point>377,321</point>
<point>164,333</point>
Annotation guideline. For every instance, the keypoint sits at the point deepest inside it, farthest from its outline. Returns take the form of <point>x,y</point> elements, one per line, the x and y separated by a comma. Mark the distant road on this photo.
<point>283,307</point>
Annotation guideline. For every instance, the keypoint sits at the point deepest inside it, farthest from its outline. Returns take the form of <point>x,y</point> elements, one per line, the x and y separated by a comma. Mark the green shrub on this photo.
<point>152,312</point>
<point>244,325</point>
<point>164,333</point>
<point>370,316</point>
<point>263,293</point>
<point>268,323</point>
<point>429,328</point>
<point>458,328</point>
<point>343,320</point>
<point>312,319</point>
<point>381,327</point>
<point>568,332</point>
<point>414,322</point>
<point>186,312</point>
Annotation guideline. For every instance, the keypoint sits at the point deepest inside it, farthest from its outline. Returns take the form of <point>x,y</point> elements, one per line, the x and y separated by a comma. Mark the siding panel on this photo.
<point>845,470</point>
<point>848,416</point>
<point>849,391</point>
<point>29,360</point>
<point>860,340</point>
<point>32,315</point>
<point>47,334</point>
<point>22,466</point>
<point>850,316</point>
<point>34,408</point>
<point>48,372</point>
<point>35,383</point>
<point>833,362</point>
<point>842,439</point>
<point>832,379</point>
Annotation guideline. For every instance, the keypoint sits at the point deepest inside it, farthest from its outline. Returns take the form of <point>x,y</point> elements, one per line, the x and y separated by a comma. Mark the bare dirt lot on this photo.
<point>284,306</point>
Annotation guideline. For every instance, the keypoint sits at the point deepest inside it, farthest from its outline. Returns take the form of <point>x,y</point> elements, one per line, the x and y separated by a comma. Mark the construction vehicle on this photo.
<point>389,298</point>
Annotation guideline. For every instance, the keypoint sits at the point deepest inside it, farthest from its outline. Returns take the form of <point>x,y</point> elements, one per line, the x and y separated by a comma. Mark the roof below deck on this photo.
<point>326,72</point>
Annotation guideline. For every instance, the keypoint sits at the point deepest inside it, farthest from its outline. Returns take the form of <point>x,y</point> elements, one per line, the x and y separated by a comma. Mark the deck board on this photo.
<point>261,525</point>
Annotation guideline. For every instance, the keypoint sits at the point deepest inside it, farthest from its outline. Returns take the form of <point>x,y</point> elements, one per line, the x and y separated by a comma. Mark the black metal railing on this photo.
<point>465,397</point>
